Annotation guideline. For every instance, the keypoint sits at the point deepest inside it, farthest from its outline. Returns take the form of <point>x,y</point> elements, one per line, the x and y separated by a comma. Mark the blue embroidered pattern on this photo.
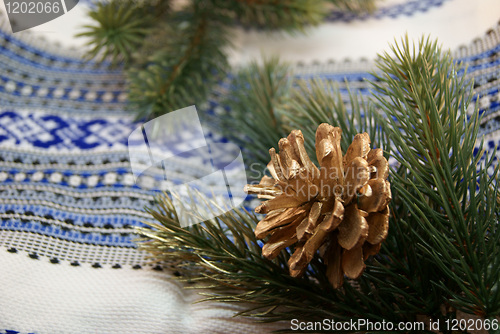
<point>92,197</point>
<point>406,8</point>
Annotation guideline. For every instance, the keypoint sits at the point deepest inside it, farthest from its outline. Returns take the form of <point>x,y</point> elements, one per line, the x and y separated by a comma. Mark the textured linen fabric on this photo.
<point>69,201</point>
<point>41,298</point>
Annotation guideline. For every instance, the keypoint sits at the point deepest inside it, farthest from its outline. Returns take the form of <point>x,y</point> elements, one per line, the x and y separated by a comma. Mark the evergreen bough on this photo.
<point>442,254</point>
<point>174,55</point>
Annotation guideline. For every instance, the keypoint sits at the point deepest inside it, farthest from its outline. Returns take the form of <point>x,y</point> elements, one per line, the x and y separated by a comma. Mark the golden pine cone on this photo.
<point>340,209</point>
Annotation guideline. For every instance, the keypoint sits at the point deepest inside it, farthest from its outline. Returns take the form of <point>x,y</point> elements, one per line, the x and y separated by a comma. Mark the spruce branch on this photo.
<point>265,103</point>
<point>288,15</point>
<point>184,69</point>
<point>442,183</point>
<point>255,102</point>
<point>354,5</point>
<point>175,56</point>
<point>120,27</point>
<point>223,256</point>
<point>442,253</point>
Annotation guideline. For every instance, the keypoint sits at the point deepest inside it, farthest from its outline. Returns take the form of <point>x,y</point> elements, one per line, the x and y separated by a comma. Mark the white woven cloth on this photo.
<point>41,298</point>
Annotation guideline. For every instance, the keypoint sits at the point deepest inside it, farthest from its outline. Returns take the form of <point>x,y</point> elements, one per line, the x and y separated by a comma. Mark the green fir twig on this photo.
<point>442,254</point>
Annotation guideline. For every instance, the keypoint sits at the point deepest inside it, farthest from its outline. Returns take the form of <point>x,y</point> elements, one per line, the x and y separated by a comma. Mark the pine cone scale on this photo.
<point>309,224</point>
<point>353,263</point>
<point>378,227</point>
<point>356,176</point>
<point>282,238</point>
<point>282,201</point>
<point>274,166</point>
<point>334,218</point>
<point>328,151</point>
<point>353,227</point>
<point>376,159</point>
<point>369,249</point>
<point>301,151</point>
<point>359,147</point>
<point>376,203</point>
<point>269,223</point>
<point>333,260</point>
